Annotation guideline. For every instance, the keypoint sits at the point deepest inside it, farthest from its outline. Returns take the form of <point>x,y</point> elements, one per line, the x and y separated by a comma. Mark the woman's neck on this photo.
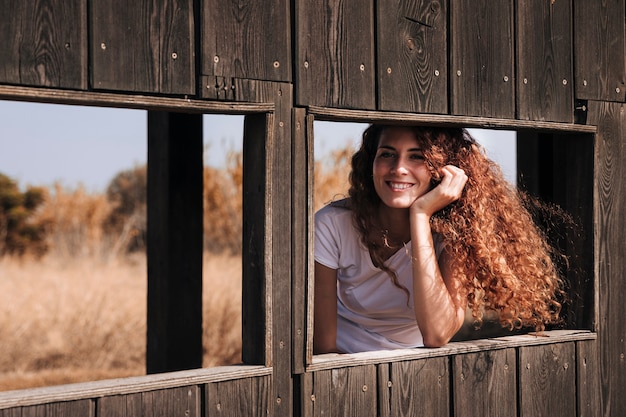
<point>394,223</point>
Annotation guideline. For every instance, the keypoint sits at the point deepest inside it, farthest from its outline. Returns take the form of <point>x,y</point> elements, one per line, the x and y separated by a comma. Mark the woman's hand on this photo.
<point>453,180</point>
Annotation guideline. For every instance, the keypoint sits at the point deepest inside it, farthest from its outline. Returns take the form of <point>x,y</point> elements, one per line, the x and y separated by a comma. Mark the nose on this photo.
<point>399,167</point>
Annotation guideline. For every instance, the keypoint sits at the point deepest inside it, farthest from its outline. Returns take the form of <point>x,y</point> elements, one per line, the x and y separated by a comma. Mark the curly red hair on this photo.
<point>502,257</point>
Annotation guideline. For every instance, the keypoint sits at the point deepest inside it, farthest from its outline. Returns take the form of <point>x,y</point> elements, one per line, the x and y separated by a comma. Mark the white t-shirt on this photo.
<point>372,313</point>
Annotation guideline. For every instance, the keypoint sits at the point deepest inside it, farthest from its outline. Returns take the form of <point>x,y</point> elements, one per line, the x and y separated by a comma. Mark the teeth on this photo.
<point>399,186</point>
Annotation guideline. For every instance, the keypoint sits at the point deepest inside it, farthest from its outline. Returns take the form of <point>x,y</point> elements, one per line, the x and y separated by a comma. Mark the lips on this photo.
<point>399,186</point>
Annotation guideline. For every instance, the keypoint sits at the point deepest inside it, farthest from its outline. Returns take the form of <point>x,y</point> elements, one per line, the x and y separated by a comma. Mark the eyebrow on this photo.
<point>393,149</point>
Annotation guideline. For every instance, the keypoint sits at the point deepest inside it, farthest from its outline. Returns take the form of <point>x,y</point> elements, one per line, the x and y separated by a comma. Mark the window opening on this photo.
<point>529,159</point>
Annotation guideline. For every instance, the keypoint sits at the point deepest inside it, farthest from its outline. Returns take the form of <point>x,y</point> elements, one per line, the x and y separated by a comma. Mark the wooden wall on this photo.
<point>550,66</point>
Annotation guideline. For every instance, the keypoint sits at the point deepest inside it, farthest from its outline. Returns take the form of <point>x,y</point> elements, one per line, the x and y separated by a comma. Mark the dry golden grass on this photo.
<point>79,320</point>
<point>79,314</point>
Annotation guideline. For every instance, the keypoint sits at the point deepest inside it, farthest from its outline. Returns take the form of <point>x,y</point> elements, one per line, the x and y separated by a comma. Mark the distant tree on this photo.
<point>127,193</point>
<point>19,233</point>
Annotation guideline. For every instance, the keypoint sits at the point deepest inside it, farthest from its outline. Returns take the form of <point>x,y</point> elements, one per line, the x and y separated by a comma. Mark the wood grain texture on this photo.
<point>256,248</point>
<point>39,45</point>
<point>60,409</point>
<point>240,397</point>
<point>345,392</point>
<point>334,63</point>
<point>545,79</point>
<point>547,380</point>
<point>143,46</point>
<point>177,401</point>
<point>588,379</point>
<point>610,250</point>
<point>302,241</point>
<point>482,72</point>
<point>420,388</point>
<point>331,114</point>
<point>280,229</point>
<point>412,62</point>
<point>249,40</point>
<point>600,43</point>
<point>493,374</point>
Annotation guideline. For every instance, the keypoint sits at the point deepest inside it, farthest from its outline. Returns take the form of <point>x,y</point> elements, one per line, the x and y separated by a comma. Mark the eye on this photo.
<point>385,154</point>
<point>417,157</point>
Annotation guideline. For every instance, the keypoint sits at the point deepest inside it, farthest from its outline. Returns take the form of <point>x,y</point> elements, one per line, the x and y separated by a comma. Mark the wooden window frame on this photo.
<point>581,327</point>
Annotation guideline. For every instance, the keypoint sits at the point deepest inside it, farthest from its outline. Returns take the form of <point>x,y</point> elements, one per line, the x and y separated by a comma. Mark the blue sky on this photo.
<point>41,144</point>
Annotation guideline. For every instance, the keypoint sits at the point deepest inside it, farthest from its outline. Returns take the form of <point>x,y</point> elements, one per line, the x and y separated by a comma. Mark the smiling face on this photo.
<point>400,173</point>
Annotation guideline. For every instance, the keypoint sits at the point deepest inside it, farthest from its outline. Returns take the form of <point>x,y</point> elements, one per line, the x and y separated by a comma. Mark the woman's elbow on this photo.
<point>436,341</point>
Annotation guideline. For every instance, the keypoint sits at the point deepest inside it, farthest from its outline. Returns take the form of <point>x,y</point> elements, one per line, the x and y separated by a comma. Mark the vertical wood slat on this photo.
<point>547,373</point>
<point>39,47</point>
<point>258,136</point>
<point>587,378</point>
<point>482,73</point>
<point>610,229</point>
<point>334,64</point>
<point>81,408</point>
<point>302,242</point>
<point>412,61</point>
<point>491,373</point>
<point>600,42</point>
<point>183,401</point>
<point>250,40</point>
<point>343,392</point>
<point>545,80</point>
<point>239,397</point>
<point>280,175</point>
<point>143,46</point>
<point>175,218</point>
<point>420,388</point>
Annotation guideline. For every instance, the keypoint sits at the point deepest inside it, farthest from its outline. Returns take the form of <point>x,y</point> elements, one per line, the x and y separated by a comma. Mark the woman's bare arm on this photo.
<point>325,310</point>
<point>439,305</point>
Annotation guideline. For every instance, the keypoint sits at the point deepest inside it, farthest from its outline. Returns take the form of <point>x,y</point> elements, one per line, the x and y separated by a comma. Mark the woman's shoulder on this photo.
<point>337,207</point>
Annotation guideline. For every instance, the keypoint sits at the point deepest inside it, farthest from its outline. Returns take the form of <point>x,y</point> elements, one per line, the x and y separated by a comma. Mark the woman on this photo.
<point>431,227</point>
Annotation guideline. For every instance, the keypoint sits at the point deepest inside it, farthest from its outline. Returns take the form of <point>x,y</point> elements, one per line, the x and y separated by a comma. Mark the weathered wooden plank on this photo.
<point>130,101</point>
<point>345,392</point>
<point>412,62</point>
<point>258,135</point>
<point>143,46</point>
<point>420,388</point>
<point>600,42</point>
<point>384,390</point>
<point>44,43</point>
<point>124,386</point>
<point>242,397</point>
<point>334,360</point>
<point>11,412</point>
<point>545,87</point>
<point>175,216</point>
<point>246,39</point>
<point>302,241</point>
<point>239,90</point>
<point>482,73</point>
<point>588,379</point>
<point>60,409</point>
<point>183,401</point>
<point>610,200</point>
<point>335,53</point>
<point>547,373</point>
<point>492,374</point>
<point>280,232</point>
<point>330,114</point>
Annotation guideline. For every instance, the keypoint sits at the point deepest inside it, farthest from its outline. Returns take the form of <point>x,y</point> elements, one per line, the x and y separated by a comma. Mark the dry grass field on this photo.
<point>79,313</point>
